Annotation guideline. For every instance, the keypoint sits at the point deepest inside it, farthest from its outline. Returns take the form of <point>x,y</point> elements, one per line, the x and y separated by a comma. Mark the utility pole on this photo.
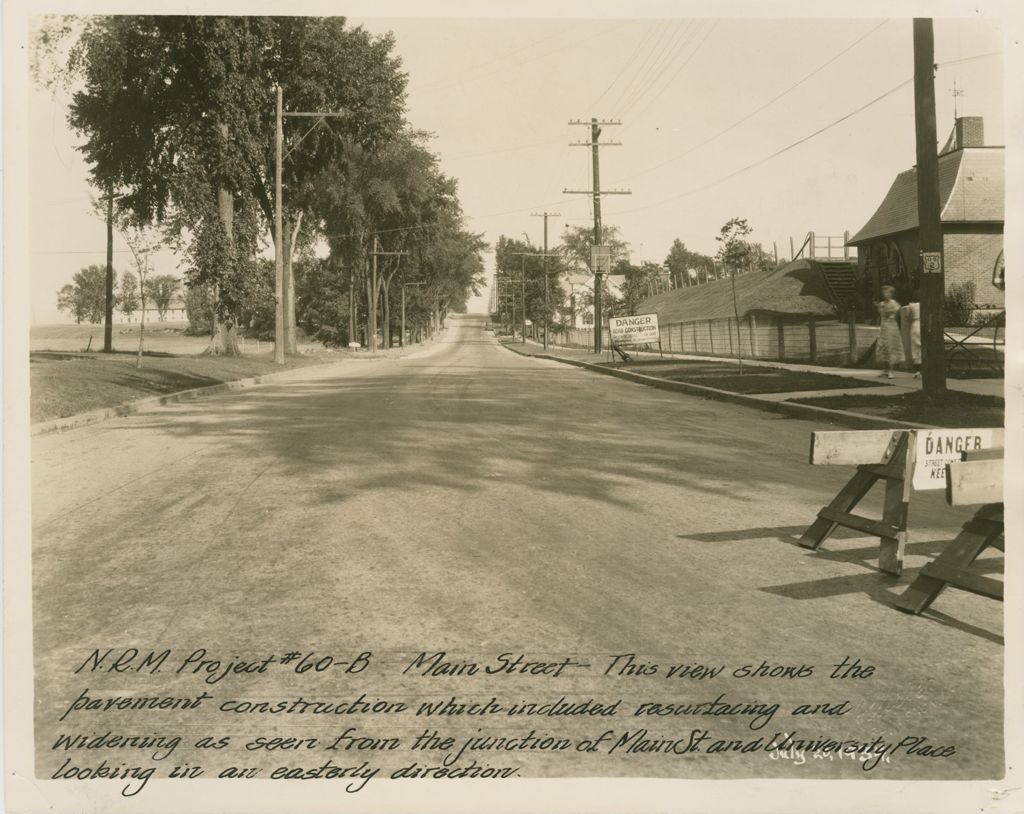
<point>932,278</point>
<point>597,260</point>
<point>108,323</point>
<point>545,255</point>
<point>278,247</point>
<point>280,284</point>
<point>545,215</point>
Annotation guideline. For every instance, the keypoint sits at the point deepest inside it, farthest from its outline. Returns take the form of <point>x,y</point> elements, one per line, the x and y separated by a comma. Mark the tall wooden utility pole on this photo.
<point>545,215</point>
<point>596,192</point>
<point>108,321</point>
<point>929,217</point>
<point>282,307</point>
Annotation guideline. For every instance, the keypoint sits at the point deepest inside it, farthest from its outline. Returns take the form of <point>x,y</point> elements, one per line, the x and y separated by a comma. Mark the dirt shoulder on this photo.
<point>68,383</point>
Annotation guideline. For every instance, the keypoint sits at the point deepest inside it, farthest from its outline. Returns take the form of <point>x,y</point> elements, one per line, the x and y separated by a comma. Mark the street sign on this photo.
<point>601,259</point>
<point>936,448</point>
<point>931,262</point>
<point>639,330</point>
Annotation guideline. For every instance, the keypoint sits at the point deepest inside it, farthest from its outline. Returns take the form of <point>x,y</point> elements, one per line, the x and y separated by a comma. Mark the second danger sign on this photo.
<point>639,330</point>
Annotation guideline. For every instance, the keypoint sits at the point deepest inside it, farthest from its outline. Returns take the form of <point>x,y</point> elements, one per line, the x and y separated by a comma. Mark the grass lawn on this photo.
<point>65,384</point>
<point>755,379</point>
<point>954,410</point>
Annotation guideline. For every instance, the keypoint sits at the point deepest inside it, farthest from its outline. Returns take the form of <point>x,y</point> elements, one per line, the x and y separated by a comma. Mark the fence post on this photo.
<point>782,339</point>
<point>711,338</point>
<point>693,326</point>
<point>812,331</point>
<point>728,327</point>
<point>682,339</point>
<point>851,324</point>
<point>754,349</point>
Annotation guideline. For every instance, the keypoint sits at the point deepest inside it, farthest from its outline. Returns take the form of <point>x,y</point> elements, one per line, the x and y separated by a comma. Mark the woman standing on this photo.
<point>910,325</point>
<point>890,343</point>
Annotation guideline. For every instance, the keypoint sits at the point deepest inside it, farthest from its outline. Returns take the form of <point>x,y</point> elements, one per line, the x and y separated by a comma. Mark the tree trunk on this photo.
<point>225,339</point>
<point>142,321</point>
<point>371,305</point>
<point>352,314</point>
<point>386,315</point>
<point>291,233</point>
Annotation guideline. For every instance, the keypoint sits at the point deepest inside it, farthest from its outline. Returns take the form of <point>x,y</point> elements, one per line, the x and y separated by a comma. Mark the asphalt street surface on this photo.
<point>471,502</point>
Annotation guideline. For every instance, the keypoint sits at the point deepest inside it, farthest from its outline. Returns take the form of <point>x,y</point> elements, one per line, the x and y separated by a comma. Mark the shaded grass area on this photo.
<point>65,384</point>
<point>725,376</point>
<point>955,409</point>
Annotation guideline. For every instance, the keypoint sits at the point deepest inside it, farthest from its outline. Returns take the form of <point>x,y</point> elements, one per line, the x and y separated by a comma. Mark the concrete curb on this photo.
<point>128,408</point>
<point>806,411</point>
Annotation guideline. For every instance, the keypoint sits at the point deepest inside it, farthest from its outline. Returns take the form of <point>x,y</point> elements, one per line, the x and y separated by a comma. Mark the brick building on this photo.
<point>971,192</point>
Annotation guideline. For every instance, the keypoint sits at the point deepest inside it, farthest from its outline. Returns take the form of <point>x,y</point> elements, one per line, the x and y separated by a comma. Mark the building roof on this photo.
<point>971,190</point>
<point>799,287</point>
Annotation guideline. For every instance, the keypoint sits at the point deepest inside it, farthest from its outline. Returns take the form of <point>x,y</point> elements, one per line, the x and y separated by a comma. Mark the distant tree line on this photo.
<point>84,298</point>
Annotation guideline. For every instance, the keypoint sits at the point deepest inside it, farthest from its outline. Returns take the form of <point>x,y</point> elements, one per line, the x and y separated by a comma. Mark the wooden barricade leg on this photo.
<point>950,567</point>
<point>892,528</point>
<point>848,497</point>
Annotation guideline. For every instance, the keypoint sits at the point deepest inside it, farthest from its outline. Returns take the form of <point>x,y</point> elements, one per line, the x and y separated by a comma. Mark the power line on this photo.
<point>777,153</point>
<point>659,47</point>
<point>648,35</point>
<point>645,81</point>
<point>757,110</point>
<point>679,70</point>
<point>806,138</point>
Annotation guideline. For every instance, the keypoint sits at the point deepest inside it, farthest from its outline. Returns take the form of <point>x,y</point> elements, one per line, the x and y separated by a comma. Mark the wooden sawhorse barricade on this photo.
<point>905,460</point>
<point>967,484</point>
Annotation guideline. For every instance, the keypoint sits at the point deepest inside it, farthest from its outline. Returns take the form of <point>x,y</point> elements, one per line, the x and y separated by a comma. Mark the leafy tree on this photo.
<point>515,258</point>
<point>197,91</point>
<point>199,309</point>
<point>641,282</point>
<point>578,240</point>
<point>734,251</point>
<point>163,288</point>
<point>681,260</point>
<point>85,298</point>
<point>128,296</point>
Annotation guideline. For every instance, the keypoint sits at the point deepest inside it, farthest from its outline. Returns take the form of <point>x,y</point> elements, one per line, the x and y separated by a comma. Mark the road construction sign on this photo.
<point>936,448</point>
<point>639,330</point>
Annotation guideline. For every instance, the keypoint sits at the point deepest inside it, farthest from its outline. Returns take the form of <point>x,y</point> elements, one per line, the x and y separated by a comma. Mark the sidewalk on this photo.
<point>787,403</point>
<point>902,381</point>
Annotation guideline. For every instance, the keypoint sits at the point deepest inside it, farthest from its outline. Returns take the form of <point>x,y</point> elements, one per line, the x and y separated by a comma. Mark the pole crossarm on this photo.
<point>589,122</point>
<point>595,143</point>
<point>598,192</point>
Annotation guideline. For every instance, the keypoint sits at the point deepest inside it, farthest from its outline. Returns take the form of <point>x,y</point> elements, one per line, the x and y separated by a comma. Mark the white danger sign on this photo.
<point>639,330</point>
<point>936,448</point>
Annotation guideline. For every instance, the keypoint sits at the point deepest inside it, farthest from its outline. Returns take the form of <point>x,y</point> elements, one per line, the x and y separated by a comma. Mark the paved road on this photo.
<point>476,502</point>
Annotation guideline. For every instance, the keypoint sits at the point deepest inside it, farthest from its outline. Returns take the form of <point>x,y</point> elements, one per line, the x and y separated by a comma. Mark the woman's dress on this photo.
<point>890,343</point>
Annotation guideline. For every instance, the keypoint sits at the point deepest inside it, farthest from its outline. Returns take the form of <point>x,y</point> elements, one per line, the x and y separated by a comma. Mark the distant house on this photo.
<point>175,313</point>
<point>971,192</point>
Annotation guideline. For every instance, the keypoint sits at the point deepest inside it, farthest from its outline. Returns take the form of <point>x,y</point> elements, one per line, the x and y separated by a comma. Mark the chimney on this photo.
<point>970,132</point>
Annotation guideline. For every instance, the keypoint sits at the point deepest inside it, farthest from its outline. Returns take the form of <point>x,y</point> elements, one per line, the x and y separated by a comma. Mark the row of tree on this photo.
<point>524,273</point>
<point>178,121</point>
<point>84,298</point>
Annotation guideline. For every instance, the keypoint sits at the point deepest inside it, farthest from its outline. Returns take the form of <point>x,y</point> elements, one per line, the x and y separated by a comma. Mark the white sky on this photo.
<point>498,95</point>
